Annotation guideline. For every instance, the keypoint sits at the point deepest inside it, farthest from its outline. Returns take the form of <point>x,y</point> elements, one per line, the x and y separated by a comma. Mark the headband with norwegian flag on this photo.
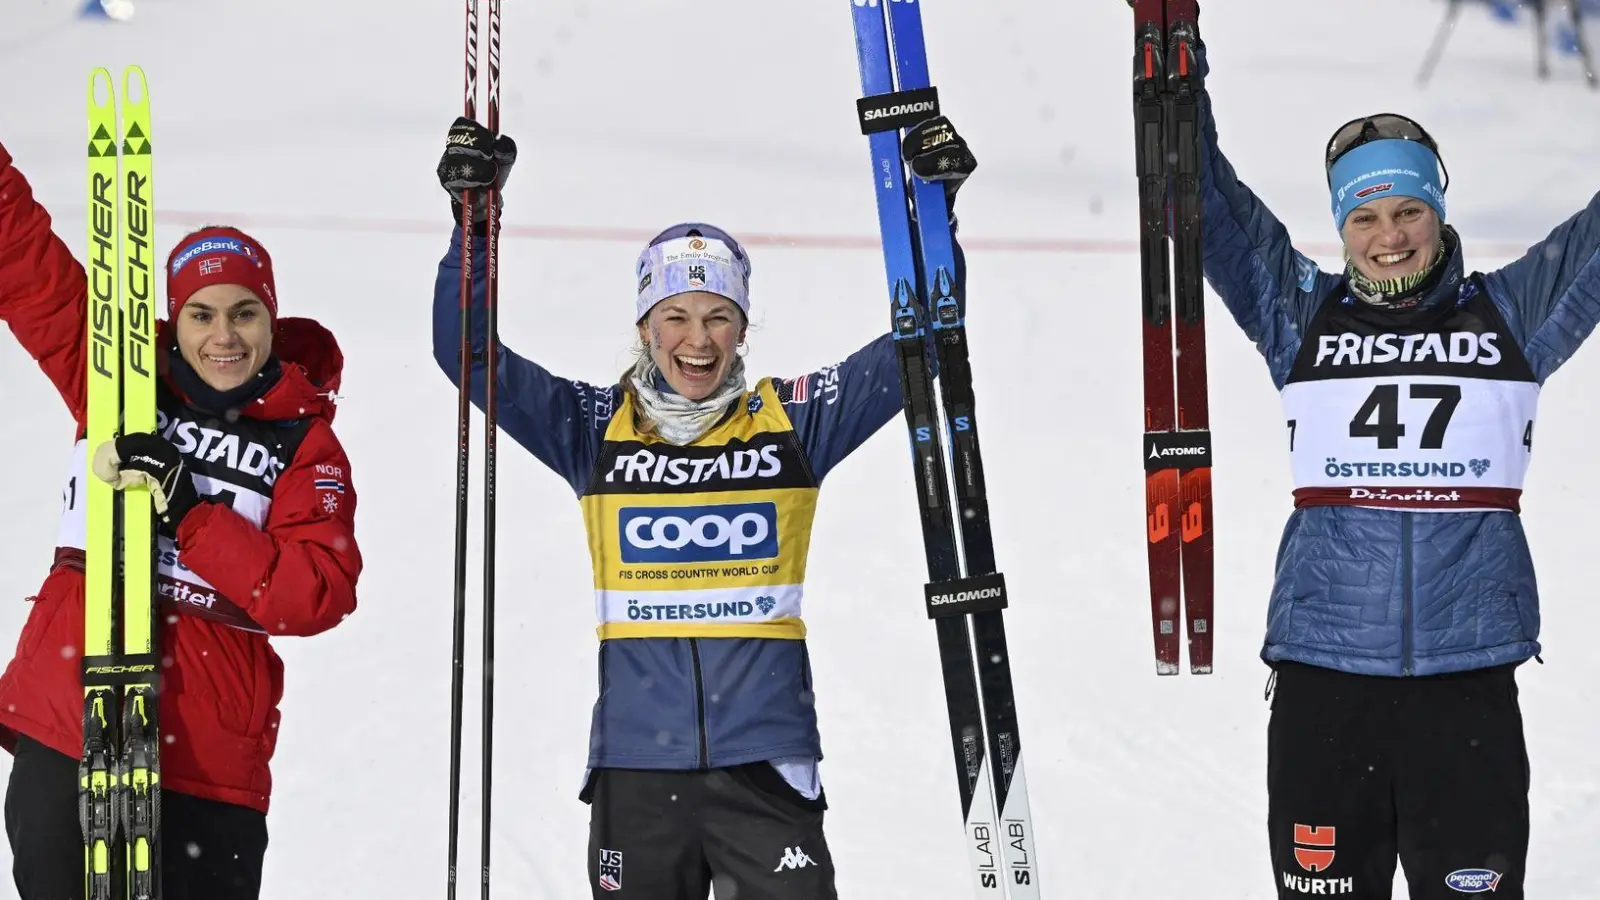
<point>219,256</point>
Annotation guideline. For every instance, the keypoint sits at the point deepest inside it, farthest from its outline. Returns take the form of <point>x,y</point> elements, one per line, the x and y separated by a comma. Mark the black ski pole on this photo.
<point>463,463</point>
<point>491,394</point>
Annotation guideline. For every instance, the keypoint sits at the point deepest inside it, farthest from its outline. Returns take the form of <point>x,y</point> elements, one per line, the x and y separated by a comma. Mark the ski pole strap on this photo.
<point>901,109</point>
<point>122,670</point>
<point>962,596</point>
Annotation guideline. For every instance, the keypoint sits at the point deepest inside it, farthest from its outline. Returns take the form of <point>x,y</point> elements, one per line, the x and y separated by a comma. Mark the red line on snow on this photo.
<point>357,225</point>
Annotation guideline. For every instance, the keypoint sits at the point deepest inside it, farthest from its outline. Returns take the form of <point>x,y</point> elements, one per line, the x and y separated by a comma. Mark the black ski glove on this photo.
<point>936,152</point>
<point>474,158</point>
<point>147,460</point>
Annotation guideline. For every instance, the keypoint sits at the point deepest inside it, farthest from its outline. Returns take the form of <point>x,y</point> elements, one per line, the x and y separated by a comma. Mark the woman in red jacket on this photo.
<point>256,535</point>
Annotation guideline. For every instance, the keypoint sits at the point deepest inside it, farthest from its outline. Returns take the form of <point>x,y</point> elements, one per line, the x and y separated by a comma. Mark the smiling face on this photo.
<point>1391,238</point>
<point>225,334</point>
<point>693,338</point>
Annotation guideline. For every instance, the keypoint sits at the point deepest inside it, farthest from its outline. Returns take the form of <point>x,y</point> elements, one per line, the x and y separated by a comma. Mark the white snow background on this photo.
<point>317,125</point>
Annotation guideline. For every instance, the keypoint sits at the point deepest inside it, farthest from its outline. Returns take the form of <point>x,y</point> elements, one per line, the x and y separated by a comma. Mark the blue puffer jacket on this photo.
<point>1388,592</point>
<point>679,703</point>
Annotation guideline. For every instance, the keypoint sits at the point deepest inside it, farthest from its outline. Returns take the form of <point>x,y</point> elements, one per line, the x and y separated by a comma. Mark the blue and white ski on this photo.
<point>965,593</point>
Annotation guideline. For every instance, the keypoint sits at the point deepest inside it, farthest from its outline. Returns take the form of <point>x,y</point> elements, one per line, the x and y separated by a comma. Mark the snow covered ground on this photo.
<point>317,126</point>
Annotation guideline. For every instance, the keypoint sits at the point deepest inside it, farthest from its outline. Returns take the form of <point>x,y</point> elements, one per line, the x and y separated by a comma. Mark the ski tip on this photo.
<point>132,78</point>
<point>1166,668</point>
<point>101,90</point>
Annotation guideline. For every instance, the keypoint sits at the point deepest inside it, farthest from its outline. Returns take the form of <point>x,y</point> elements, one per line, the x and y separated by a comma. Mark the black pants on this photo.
<point>209,850</point>
<point>1362,770</point>
<point>671,835</point>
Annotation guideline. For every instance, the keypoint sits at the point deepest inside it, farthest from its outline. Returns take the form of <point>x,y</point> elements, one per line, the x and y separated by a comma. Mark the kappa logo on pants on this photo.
<point>610,870</point>
<point>794,858</point>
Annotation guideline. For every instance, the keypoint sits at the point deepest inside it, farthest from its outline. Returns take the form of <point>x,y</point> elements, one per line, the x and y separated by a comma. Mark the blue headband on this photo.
<point>1385,168</point>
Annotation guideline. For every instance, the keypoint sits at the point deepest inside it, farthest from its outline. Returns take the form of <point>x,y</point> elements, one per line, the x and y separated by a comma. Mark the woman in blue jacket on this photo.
<point>697,492</point>
<point>1405,593</point>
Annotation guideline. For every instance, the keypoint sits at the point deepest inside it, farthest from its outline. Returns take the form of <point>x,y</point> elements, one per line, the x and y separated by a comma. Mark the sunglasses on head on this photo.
<point>1381,127</point>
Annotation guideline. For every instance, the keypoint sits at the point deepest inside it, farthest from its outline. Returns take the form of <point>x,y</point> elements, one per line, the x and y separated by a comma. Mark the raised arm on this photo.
<point>1270,288</point>
<point>42,288</point>
<point>836,408</point>
<point>561,422</point>
<point>1551,296</point>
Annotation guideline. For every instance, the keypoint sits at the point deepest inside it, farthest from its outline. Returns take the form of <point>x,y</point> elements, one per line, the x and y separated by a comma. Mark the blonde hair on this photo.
<point>642,424</point>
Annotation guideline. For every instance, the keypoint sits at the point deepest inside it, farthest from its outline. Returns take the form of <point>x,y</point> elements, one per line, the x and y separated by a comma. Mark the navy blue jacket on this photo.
<point>677,703</point>
<point>1390,592</point>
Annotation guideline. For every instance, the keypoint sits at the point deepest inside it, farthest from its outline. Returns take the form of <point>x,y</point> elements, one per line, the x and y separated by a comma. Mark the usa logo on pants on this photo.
<point>611,869</point>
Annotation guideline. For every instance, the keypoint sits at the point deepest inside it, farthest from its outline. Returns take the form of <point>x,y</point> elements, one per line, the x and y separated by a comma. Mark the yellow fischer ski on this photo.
<point>97,769</point>
<point>139,769</point>
<point>119,774</point>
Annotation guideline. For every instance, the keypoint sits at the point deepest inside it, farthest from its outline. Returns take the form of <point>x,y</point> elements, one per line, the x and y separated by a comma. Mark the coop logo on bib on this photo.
<point>697,534</point>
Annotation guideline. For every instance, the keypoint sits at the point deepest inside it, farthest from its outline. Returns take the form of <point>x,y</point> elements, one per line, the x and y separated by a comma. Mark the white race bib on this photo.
<point>175,581</point>
<point>1417,441</point>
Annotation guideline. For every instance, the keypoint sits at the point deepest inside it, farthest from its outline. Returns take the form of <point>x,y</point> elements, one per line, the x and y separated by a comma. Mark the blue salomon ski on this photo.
<point>965,603</point>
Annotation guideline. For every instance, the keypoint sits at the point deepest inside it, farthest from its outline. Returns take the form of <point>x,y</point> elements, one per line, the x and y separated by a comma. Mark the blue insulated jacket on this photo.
<point>1379,591</point>
<point>651,713</point>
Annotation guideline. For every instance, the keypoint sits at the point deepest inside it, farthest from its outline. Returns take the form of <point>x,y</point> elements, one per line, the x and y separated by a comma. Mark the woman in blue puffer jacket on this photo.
<point>1405,593</point>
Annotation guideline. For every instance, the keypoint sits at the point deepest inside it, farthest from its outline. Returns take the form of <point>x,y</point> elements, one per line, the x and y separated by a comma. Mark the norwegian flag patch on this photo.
<point>329,484</point>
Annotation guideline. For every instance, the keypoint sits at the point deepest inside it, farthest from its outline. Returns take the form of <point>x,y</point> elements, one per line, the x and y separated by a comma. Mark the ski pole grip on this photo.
<point>963,596</point>
<point>901,109</point>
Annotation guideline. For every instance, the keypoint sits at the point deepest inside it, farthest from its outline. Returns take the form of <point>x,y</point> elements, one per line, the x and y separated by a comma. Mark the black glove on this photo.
<point>147,460</point>
<point>936,153</point>
<point>474,158</point>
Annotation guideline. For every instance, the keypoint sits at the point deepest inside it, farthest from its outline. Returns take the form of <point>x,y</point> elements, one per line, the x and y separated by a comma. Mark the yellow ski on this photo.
<point>139,769</point>
<point>97,770</point>
<point>119,773</point>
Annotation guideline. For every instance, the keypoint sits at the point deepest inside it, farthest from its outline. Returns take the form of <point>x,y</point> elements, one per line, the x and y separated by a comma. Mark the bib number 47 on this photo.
<point>1379,416</point>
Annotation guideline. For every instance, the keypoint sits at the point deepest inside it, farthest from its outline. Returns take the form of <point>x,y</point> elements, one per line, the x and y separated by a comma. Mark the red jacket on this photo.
<point>295,576</point>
